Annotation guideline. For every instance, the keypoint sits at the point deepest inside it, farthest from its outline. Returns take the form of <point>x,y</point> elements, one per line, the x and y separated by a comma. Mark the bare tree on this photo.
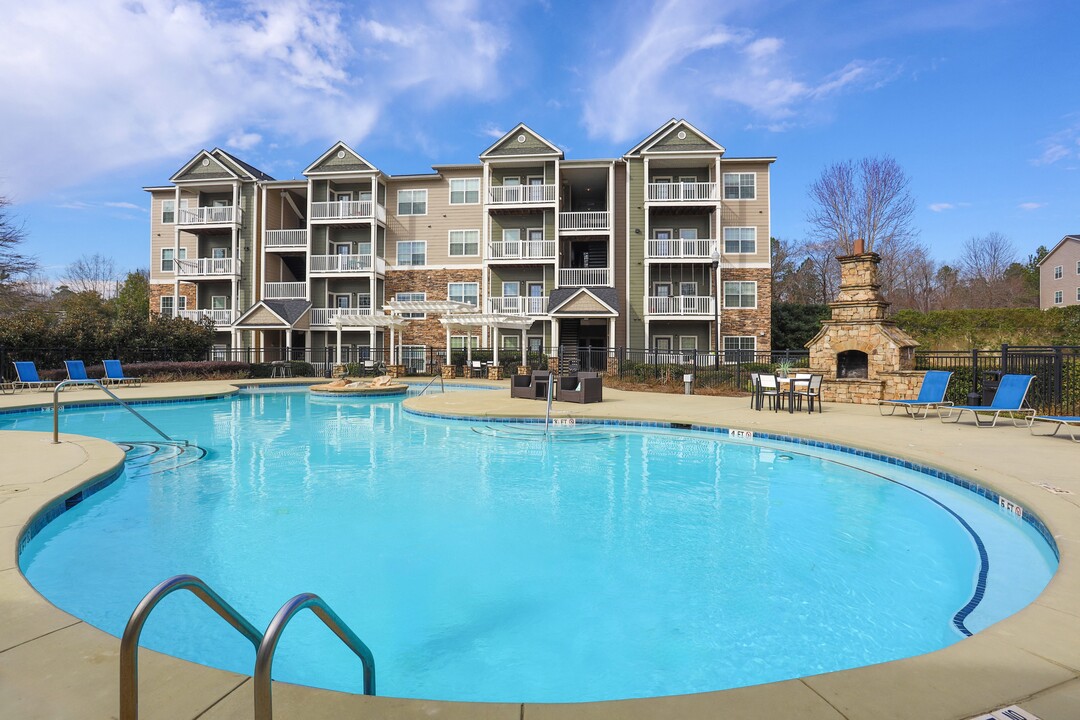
<point>93,273</point>
<point>984,263</point>
<point>868,199</point>
<point>15,266</point>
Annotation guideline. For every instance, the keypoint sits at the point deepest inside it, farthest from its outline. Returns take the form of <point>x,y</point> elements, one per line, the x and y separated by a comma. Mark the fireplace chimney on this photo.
<point>860,246</point>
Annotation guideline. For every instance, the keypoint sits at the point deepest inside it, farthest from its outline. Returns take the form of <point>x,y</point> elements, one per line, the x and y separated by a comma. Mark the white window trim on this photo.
<point>171,201</point>
<point>661,179</point>
<point>397,253</point>
<point>1078,294</point>
<point>510,177</point>
<point>723,186</point>
<point>342,196</point>
<point>450,243</point>
<point>739,307</point>
<point>669,231</point>
<point>408,315</point>
<point>680,232</point>
<point>511,230</point>
<point>657,283</point>
<point>687,337</point>
<point>161,305</point>
<point>1058,297</point>
<point>684,283</point>
<point>529,179</point>
<point>530,338</point>
<point>724,349</point>
<point>509,337</point>
<point>182,255</point>
<point>475,342</point>
<point>224,302</point>
<point>412,202</point>
<point>740,252</point>
<point>332,298</point>
<point>688,178</point>
<point>451,182</point>
<point>1078,267</point>
<point>670,347</point>
<point>224,253</point>
<point>474,284</point>
<point>1059,272</point>
<point>511,282</point>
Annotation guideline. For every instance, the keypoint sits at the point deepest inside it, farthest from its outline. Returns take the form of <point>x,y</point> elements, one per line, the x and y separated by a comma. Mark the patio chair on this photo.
<point>114,373</point>
<point>768,388</point>
<point>810,388</point>
<point>476,369</point>
<point>521,386</point>
<point>76,371</point>
<point>1010,398</point>
<point>931,396</point>
<point>755,388</point>
<point>582,387</point>
<point>27,375</point>
<point>1069,422</point>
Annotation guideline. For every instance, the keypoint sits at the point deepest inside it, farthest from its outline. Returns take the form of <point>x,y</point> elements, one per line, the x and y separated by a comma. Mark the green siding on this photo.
<point>636,253</point>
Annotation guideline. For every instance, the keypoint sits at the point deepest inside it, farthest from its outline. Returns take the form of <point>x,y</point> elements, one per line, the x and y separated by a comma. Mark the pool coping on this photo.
<point>1031,659</point>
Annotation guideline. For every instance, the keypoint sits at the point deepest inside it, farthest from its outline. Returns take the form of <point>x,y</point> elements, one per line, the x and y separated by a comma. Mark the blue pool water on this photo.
<point>482,562</point>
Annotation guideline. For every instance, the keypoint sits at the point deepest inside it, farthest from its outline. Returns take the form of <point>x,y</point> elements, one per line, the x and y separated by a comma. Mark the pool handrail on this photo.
<point>110,393</point>
<point>431,382</point>
<point>129,641</point>
<point>550,395</point>
<point>264,656</point>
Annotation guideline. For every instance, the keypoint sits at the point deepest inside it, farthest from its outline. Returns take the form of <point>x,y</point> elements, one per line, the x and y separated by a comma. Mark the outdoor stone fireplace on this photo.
<point>863,355</point>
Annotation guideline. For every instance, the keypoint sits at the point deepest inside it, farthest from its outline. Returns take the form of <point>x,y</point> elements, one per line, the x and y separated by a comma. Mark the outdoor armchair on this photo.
<point>582,387</point>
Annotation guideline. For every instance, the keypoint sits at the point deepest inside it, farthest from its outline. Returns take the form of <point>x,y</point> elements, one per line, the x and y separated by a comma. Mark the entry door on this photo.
<point>536,189</point>
<point>536,298</point>
<point>664,246</point>
<point>536,242</point>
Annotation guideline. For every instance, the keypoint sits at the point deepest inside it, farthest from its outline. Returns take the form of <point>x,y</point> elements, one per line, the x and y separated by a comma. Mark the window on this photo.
<point>740,240</point>
<point>168,211</point>
<point>1078,267</point>
<point>405,296</point>
<point>219,302</point>
<point>1058,272</point>
<point>662,343</point>
<point>511,238</point>
<point>739,348</point>
<point>341,301</point>
<point>412,202</point>
<point>412,252</point>
<point>464,191</point>
<point>661,289</point>
<point>166,305</point>
<point>740,294</point>
<point>167,264</point>
<point>1078,294</point>
<point>457,342</point>
<point>663,246</point>
<point>510,342</point>
<point>511,289</point>
<point>688,342</point>
<point>219,253</point>
<point>688,288</point>
<point>740,186</point>
<point>536,343</point>
<point>464,242</point>
<point>464,292</point>
<point>1057,297</point>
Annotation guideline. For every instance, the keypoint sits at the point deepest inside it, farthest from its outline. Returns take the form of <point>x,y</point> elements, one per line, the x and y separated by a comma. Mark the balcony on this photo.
<point>517,305</point>
<point>217,215</point>
<point>521,194</point>
<point>584,277</point>
<point>285,239</point>
<point>592,220</point>
<point>341,264</point>
<point>208,267</point>
<point>680,249</point>
<point>683,192</point>
<point>681,305</point>
<point>522,250</point>
<point>347,210</point>
<point>284,291</point>
<point>324,317</point>
<point>218,317</point>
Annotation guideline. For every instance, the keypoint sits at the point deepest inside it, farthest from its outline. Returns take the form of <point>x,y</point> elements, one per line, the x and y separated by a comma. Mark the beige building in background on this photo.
<point>665,249</point>
<point>1059,274</point>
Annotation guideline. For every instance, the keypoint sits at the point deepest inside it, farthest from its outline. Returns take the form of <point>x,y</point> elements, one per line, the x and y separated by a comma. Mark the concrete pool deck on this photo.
<point>53,665</point>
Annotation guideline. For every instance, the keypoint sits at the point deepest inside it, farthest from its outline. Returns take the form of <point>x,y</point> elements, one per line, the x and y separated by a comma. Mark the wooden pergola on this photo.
<point>370,323</point>
<point>468,322</point>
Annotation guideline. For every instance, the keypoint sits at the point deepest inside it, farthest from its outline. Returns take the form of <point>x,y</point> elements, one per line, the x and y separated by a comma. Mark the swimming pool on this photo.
<point>480,562</point>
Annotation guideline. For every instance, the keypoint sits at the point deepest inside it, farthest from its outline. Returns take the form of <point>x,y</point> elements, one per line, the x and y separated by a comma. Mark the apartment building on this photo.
<point>1059,274</point>
<point>632,252</point>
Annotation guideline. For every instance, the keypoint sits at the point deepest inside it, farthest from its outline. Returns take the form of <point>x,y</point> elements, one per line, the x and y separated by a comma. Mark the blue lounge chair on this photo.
<point>76,371</point>
<point>1010,398</point>
<point>27,373</point>
<point>1060,421</point>
<point>931,396</point>
<point>114,373</point>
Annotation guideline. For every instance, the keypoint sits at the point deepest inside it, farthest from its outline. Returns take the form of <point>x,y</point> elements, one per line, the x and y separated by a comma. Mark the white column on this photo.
<point>494,346</point>
<point>554,337</point>
<point>524,349</point>
<point>611,333</point>
<point>339,344</point>
<point>447,344</point>
<point>391,344</point>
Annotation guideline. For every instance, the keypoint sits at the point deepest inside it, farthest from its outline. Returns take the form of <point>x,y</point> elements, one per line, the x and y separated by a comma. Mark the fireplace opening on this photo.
<point>852,364</point>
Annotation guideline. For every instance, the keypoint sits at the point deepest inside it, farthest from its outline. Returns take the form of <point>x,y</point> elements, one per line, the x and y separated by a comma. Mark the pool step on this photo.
<point>152,458</point>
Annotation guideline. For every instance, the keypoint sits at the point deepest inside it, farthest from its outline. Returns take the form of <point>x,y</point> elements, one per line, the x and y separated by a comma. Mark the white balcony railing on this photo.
<point>347,210</point>
<point>521,250</point>
<point>340,263</point>
<point>208,266</point>
<point>592,220</point>
<point>679,305</point>
<point>683,192</point>
<point>517,305</point>
<point>286,238</point>
<point>581,277</point>
<point>680,248</point>
<point>326,316</point>
<point>218,317</point>
<point>284,290</point>
<point>521,194</point>
<point>217,215</point>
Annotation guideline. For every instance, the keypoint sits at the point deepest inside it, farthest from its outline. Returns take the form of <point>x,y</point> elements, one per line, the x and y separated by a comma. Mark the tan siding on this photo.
<point>583,304</point>
<point>262,316</point>
<point>748,213</point>
<point>434,227</point>
<point>1067,255</point>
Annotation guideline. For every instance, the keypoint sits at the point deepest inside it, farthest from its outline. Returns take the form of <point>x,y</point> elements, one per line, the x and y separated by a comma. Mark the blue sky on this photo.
<point>978,101</point>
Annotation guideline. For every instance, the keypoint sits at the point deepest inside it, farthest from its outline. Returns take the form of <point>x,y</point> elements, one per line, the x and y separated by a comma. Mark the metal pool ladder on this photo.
<point>110,393</point>
<point>265,643</point>
<point>431,382</point>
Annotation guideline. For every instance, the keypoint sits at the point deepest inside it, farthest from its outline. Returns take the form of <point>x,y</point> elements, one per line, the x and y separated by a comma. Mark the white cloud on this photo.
<point>685,47</point>
<point>493,131</point>
<point>124,206</point>
<point>1031,205</point>
<point>941,206</point>
<point>1064,144</point>
<point>89,88</point>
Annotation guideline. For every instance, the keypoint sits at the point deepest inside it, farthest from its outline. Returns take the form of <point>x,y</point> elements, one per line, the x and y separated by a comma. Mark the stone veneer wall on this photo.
<point>157,291</point>
<point>433,282</point>
<point>900,385</point>
<point>747,321</point>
